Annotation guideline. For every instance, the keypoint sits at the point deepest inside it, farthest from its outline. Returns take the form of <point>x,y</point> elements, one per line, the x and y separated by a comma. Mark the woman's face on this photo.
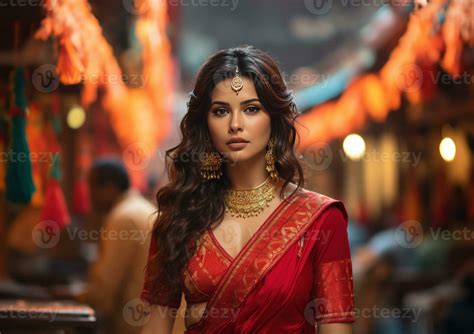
<point>231,115</point>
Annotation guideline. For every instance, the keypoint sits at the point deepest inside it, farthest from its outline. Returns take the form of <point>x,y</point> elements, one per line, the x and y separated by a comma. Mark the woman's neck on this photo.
<point>246,174</point>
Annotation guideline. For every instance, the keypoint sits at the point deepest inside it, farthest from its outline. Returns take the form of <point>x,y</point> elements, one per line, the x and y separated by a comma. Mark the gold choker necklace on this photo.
<point>249,202</point>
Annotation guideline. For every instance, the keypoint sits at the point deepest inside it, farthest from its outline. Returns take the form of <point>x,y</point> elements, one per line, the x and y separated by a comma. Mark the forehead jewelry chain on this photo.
<point>249,202</point>
<point>237,82</point>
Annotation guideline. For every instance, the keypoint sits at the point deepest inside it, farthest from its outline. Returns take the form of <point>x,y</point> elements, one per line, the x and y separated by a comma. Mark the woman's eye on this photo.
<point>223,111</point>
<point>253,109</point>
<point>219,111</point>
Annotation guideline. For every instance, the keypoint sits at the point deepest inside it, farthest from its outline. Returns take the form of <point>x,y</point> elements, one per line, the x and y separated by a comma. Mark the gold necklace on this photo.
<point>249,202</point>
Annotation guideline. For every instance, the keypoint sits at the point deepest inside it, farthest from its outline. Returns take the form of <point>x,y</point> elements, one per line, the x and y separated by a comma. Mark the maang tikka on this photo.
<point>237,83</point>
<point>211,163</point>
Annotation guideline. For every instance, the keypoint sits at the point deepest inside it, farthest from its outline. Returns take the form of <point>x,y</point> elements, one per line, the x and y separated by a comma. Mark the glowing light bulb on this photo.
<point>354,146</point>
<point>447,149</point>
<point>76,117</point>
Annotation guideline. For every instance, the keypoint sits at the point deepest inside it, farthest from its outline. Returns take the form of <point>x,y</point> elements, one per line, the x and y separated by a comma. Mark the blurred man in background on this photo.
<point>116,278</point>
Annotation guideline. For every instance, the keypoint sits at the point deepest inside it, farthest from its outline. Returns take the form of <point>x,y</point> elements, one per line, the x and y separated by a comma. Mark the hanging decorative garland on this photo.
<point>437,34</point>
<point>54,208</point>
<point>19,181</point>
<point>3,140</point>
<point>140,115</point>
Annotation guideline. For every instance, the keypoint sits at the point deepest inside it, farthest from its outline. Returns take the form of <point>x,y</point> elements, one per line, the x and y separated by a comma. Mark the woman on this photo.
<point>252,251</point>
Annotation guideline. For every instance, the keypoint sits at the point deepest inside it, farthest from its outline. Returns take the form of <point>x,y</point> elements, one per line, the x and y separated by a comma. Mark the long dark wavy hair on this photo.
<point>189,204</point>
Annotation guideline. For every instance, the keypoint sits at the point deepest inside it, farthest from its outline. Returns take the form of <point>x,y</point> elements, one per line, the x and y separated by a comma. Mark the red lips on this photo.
<point>237,140</point>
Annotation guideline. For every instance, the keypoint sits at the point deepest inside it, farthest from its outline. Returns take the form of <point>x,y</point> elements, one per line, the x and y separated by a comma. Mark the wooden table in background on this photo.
<point>21,314</point>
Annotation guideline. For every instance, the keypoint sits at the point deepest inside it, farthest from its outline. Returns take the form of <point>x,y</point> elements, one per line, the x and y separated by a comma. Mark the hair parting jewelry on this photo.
<point>237,83</point>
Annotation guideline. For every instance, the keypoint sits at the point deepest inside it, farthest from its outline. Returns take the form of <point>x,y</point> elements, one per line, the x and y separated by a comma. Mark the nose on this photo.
<point>236,121</point>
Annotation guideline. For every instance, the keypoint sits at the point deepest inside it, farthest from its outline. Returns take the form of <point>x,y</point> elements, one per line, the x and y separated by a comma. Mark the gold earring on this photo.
<point>211,164</point>
<point>270,160</point>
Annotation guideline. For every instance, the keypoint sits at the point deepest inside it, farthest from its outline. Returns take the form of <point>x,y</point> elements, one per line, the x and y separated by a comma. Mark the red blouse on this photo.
<point>205,270</point>
<point>201,277</point>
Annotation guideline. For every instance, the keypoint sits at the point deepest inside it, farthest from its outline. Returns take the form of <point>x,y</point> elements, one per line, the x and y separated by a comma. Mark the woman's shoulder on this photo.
<point>317,196</point>
<point>313,199</point>
<point>323,203</point>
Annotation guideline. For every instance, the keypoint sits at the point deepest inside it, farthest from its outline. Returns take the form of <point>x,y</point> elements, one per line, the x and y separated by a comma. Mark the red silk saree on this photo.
<point>294,273</point>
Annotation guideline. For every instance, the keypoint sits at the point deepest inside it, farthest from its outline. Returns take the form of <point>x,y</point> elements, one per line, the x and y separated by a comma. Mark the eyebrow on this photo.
<point>241,103</point>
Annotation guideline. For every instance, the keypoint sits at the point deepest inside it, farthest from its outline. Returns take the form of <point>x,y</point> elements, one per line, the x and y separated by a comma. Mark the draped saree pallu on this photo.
<point>294,273</point>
